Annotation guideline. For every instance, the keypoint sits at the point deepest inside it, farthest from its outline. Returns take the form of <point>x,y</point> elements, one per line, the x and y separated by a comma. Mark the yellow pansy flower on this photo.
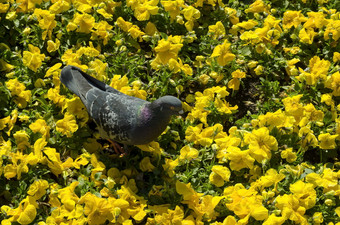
<point>261,144</point>
<point>173,7</point>
<point>217,30</point>
<point>67,126</point>
<point>307,35</point>
<point>336,57</point>
<point>327,141</point>
<point>4,7</point>
<point>59,6</point>
<point>143,8</point>
<point>292,18</point>
<point>169,166</point>
<point>54,162</point>
<point>85,22</point>
<point>257,7</point>
<point>38,189</point>
<point>188,153</point>
<point>239,159</point>
<point>32,58</point>
<point>289,155</point>
<point>21,139</point>
<point>40,126</point>
<point>191,14</point>
<point>219,175</point>
<point>223,53</point>
<point>46,22</point>
<point>53,46</point>
<point>145,165</point>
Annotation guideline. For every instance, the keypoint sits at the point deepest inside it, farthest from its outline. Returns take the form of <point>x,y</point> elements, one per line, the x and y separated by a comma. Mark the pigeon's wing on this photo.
<point>115,115</point>
<point>80,82</point>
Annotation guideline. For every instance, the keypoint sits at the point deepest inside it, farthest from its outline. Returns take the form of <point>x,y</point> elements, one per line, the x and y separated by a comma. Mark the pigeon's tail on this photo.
<point>73,78</point>
<point>78,81</point>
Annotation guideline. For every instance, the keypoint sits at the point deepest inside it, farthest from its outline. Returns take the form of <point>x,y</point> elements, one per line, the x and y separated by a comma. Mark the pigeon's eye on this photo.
<point>172,107</point>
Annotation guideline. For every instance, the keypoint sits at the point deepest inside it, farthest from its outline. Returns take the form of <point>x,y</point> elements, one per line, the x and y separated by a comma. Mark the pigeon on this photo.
<point>119,117</point>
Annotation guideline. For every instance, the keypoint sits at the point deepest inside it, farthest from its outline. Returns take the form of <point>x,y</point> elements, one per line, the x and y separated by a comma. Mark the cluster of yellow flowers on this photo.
<point>220,163</point>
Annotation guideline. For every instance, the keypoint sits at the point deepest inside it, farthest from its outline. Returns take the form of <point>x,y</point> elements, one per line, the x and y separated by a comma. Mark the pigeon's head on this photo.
<point>169,105</point>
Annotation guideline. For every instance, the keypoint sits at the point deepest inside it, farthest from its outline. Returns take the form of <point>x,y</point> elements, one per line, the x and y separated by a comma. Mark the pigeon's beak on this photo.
<point>180,112</point>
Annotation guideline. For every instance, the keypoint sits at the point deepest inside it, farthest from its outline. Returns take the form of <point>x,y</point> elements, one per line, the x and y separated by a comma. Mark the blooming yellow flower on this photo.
<point>292,18</point>
<point>272,177</point>
<point>179,66</point>
<point>327,141</point>
<point>54,162</point>
<point>21,139</point>
<point>133,30</point>
<point>235,82</point>
<point>336,57</point>
<point>4,66</point>
<point>191,14</point>
<point>59,6</point>
<point>55,97</point>
<point>53,46</point>
<point>232,14</point>
<point>67,126</point>
<point>96,209</point>
<point>223,53</point>
<point>245,203</point>
<point>145,165</point>
<point>289,155</point>
<point>38,189</point>
<point>4,7</point>
<point>173,7</point>
<point>273,219</point>
<point>19,164</point>
<point>307,137</point>
<point>40,126</point>
<point>239,159</point>
<point>84,22</point>
<point>217,30</point>
<point>136,204</point>
<point>152,147</point>
<point>75,107</point>
<point>305,193</point>
<point>317,218</point>
<point>293,107</point>
<point>24,214</point>
<point>32,58</point>
<point>46,22</point>
<point>315,20</point>
<point>9,122</point>
<point>257,7</point>
<point>143,8</point>
<point>291,209</point>
<point>54,72</point>
<point>27,5</point>
<point>333,82</point>
<point>202,205</point>
<point>261,144</point>
<point>102,31</point>
<point>188,153</point>
<point>169,166</point>
<point>219,175</point>
<point>247,25</point>
<point>307,35</point>
<point>259,70</point>
<point>175,216</point>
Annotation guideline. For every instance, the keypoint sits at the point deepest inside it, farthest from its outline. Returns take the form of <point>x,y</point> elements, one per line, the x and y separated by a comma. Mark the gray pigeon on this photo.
<point>119,117</point>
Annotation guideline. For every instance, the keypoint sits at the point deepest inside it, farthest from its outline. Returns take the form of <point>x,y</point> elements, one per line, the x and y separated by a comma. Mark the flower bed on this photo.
<point>258,142</point>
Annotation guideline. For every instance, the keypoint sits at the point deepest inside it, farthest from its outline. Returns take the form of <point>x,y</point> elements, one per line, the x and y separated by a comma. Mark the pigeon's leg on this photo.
<point>119,150</point>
